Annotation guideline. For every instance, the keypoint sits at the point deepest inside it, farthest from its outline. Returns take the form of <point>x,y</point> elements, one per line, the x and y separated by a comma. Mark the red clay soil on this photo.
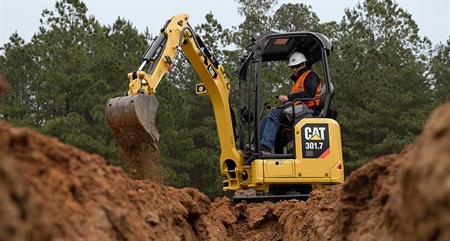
<point>52,191</point>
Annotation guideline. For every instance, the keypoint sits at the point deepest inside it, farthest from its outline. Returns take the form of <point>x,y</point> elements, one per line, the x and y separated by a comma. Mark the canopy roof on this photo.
<point>279,46</point>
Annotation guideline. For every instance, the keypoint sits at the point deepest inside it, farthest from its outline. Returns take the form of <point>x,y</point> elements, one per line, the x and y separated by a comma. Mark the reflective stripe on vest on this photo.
<point>299,86</point>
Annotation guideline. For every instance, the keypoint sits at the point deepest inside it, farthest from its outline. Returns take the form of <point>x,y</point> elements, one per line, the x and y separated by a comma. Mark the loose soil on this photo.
<point>53,191</point>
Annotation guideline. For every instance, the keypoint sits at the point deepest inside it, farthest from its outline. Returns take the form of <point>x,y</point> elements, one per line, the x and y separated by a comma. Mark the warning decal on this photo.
<point>315,141</point>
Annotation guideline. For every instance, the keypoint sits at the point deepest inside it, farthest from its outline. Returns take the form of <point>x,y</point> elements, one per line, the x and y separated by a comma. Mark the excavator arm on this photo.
<point>132,117</point>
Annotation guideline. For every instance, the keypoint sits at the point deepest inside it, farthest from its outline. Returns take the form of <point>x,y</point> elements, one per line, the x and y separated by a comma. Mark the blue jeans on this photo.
<point>272,122</point>
<point>269,127</point>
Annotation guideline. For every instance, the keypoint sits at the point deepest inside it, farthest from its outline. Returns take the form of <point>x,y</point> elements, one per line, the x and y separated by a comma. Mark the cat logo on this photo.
<point>315,140</point>
<point>315,133</point>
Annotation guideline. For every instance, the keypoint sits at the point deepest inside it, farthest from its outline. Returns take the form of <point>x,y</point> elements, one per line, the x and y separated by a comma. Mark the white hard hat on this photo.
<point>296,58</point>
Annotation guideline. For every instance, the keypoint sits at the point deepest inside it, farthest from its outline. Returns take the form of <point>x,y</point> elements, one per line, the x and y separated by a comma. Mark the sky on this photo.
<point>432,16</point>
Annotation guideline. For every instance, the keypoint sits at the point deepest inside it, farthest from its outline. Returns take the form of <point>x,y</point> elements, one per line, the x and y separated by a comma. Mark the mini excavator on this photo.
<point>314,159</point>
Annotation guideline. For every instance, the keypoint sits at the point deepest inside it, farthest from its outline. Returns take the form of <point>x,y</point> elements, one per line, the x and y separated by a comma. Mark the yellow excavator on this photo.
<point>311,158</point>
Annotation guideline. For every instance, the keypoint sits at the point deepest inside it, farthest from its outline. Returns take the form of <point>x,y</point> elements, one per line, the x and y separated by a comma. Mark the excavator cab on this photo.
<point>267,52</point>
<point>308,152</point>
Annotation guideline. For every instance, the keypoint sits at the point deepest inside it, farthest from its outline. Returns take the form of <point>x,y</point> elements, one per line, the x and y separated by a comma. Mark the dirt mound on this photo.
<point>52,191</point>
<point>73,195</point>
<point>421,206</point>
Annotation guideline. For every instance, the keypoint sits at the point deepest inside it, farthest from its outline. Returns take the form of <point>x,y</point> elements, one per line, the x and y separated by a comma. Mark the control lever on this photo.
<point>266,107</point>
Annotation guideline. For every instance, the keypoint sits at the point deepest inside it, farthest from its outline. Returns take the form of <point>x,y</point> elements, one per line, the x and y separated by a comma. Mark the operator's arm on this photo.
<point>311,83</point>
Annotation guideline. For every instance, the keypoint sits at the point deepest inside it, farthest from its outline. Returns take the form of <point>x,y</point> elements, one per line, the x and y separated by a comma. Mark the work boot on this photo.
<point>265,150</point>
<point>249,147</point>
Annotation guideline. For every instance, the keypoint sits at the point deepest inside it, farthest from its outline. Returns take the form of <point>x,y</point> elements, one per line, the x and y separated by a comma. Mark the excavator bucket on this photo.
<point>132,121</point>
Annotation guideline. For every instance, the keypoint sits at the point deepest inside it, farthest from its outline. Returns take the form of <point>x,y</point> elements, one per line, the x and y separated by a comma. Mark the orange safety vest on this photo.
<point>300,86</point>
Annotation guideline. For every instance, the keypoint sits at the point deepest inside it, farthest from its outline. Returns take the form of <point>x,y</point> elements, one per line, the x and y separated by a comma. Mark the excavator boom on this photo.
<point>132,117</point>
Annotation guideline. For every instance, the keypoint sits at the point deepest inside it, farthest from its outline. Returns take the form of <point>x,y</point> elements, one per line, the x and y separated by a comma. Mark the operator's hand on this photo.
<point>283,98</point>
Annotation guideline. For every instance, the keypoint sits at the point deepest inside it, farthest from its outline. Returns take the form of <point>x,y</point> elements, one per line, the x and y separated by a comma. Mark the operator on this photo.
<point>306,85</point>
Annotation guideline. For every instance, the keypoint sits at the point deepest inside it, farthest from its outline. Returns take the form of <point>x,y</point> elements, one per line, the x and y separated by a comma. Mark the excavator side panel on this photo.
<point>318,163</point>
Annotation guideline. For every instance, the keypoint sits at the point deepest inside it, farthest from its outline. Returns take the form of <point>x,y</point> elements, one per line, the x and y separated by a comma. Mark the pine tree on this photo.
<point>440,71</point>
<point>379,75</point>
<point>295,17</point>
<point>16,64</point>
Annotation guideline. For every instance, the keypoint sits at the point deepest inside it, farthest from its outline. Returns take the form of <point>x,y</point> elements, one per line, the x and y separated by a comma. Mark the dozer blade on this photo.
<point>250,196</point>
<point>132,121</point>
<point>270,198</point>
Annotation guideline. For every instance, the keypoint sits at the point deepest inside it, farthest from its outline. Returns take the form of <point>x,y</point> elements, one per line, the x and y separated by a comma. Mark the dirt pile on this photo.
<point>52,191</point>
<point>421,208</point>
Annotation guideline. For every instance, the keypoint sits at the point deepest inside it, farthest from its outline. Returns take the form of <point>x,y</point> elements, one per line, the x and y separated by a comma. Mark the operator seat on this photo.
<point>284,134</point>
<point>323,97</point>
